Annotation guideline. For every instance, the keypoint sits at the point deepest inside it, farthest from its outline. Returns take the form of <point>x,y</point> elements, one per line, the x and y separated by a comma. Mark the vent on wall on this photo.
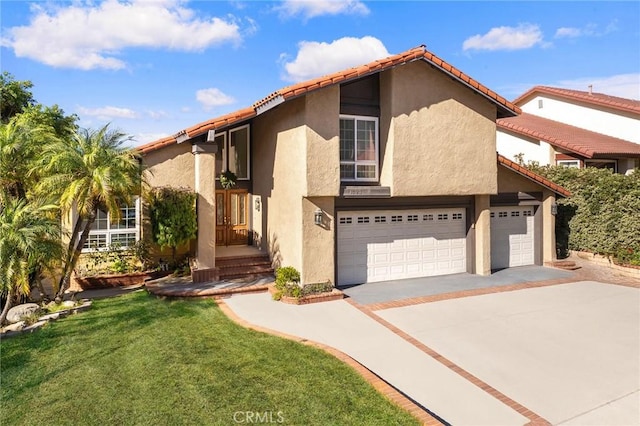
<point>540,104</point>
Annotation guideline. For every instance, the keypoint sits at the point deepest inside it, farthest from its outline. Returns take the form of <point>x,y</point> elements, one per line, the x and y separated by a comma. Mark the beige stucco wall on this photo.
<point>205,166</point>
<point>549,227</point>
<point>171,166</point>
<point>437,136</point>
<point>322,109</point>
<point>279,151</point>
<point>482,224</point>
<point>317,241</point>
<point>510,181</point>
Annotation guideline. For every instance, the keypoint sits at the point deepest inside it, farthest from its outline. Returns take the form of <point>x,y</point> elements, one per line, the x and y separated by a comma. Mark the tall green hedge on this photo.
<point>602,216</point>
<point>173,217</point>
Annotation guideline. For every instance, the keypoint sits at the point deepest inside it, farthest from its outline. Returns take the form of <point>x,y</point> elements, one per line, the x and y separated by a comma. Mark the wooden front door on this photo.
<point>232,217</point>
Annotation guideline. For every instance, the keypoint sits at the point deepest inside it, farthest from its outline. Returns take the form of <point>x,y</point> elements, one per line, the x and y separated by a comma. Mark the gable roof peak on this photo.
<point>505,108</point>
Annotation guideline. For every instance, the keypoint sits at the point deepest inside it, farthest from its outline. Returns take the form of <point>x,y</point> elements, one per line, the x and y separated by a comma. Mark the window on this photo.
<point>569,163</point>
<point>345,220</point>
<point>602,164</point>
<point>358,148</point>
<point>234,153</point>
<point>363,219</point>
<point>239,152</point>
<point>443,216</point>
<point>380,219</point>
<point>221,155</point>
<point>124,233</point>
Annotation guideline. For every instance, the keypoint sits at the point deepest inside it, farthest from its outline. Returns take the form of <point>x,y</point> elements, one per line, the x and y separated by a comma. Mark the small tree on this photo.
<point>173,217</point>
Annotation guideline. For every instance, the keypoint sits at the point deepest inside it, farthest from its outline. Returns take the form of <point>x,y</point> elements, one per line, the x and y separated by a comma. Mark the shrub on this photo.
<point>173,217</point>
<point>317,288</point>
<point>603,214</point>
<point>287,283</point>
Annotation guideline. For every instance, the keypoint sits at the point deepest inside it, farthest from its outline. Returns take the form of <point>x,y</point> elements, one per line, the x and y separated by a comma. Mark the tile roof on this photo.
<point>575,139</point>
<point>600,99</point>
<point>523,171</point>
<point>505,107</point>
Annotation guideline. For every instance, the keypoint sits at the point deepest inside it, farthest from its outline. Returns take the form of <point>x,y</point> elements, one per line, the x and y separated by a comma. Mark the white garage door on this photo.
<point>512,237</point>
<point>393,244</point>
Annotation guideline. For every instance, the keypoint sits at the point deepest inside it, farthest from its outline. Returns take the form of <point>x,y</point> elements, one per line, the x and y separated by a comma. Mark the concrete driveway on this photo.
<point>570,352</point>
<point>562,351</point>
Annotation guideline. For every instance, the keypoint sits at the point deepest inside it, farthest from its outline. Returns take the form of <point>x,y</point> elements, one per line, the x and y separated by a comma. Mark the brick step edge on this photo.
<point>569,265</point>
<point>253,276</point>
<point>244,264</point>
<point>245,273</point>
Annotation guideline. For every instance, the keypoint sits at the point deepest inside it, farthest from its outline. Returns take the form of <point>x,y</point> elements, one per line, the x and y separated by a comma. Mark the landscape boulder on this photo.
<point>16,313</point>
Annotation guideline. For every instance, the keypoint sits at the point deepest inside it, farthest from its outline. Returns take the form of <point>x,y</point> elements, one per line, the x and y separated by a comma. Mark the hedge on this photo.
<point>603,214</point>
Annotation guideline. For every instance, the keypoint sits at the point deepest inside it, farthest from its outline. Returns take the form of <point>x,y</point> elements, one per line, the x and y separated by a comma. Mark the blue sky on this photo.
<point>153,68</point>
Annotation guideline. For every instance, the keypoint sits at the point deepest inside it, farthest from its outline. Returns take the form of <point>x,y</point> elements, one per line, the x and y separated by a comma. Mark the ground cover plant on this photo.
<point>137,359</point>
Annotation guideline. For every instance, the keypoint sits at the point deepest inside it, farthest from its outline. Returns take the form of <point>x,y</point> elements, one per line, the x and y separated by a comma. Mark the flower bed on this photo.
<point>116,280</point>
<point>334,294</point>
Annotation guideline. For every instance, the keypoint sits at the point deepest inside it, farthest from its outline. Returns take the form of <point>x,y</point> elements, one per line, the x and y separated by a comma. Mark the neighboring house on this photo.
<point>384,171</point>
<point>573,128</point>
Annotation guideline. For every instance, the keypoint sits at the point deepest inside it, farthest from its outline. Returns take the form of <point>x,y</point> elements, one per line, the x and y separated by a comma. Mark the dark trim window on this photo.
<point>358,148</point>
<point>234,153</point>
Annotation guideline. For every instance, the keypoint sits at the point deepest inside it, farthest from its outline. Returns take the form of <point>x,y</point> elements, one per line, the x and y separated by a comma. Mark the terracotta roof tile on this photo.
<point>299,89</point>
<point>533,176</point>
<point>575,139</point>
<point>621,104</point>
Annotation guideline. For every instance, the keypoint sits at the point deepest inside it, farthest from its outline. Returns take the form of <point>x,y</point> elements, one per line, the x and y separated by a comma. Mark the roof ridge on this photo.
<point>301,88</point>
<point>595,98</point>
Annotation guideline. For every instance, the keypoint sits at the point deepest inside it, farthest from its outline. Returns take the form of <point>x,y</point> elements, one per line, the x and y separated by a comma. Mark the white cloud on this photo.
<point>568,32</point>
<point>621,85</point>
<point>524,36</point>
<point>587,30</point>
<point>318,58</point>
<point>157,115</point>
<point>314,8</point>
<point>108,113</point>
<point>212,97</point>
<point>142,138</point>
<point>86,36</point>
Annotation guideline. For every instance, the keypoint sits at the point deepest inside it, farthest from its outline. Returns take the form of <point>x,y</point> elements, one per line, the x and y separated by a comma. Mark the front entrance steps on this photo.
<point>244,266</point>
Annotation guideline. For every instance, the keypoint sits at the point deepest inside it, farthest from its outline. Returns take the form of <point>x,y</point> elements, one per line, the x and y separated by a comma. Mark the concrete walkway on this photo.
<point>419,376</point>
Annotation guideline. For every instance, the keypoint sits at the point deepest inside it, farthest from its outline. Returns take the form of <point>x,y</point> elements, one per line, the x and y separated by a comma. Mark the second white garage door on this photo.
<point>388,245</point>
<point>512,237</point>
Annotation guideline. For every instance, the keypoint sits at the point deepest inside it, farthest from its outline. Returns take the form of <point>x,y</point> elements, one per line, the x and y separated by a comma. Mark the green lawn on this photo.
<point>136,359</point>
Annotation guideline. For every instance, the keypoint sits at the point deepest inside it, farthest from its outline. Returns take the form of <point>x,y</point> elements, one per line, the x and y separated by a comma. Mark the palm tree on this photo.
<point>29,239</point>
<point>92,170</point>
<point>20,142</point>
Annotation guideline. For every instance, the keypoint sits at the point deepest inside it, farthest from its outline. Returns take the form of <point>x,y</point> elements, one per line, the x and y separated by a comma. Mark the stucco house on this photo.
<point>384,171</point>
<point>573,128</point>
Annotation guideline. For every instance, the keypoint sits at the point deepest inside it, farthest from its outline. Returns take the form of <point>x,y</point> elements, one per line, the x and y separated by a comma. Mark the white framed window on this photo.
<point>602,164</point>
<point>238,154</point>
<point>569,163</point>
<point>125,232</point>
<point>358,148</point>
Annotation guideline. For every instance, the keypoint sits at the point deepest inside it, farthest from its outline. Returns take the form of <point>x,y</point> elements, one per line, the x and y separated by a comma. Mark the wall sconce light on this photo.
<point>554,209</point>
<point>317,216</point>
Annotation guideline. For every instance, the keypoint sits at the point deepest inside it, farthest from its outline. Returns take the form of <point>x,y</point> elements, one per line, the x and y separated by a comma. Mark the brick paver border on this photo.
<point>464,293</point>
<point>380,385</point>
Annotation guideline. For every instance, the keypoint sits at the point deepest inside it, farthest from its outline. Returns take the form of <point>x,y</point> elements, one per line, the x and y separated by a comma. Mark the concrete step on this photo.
<point>569,265</point>
<point>242,271</point>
